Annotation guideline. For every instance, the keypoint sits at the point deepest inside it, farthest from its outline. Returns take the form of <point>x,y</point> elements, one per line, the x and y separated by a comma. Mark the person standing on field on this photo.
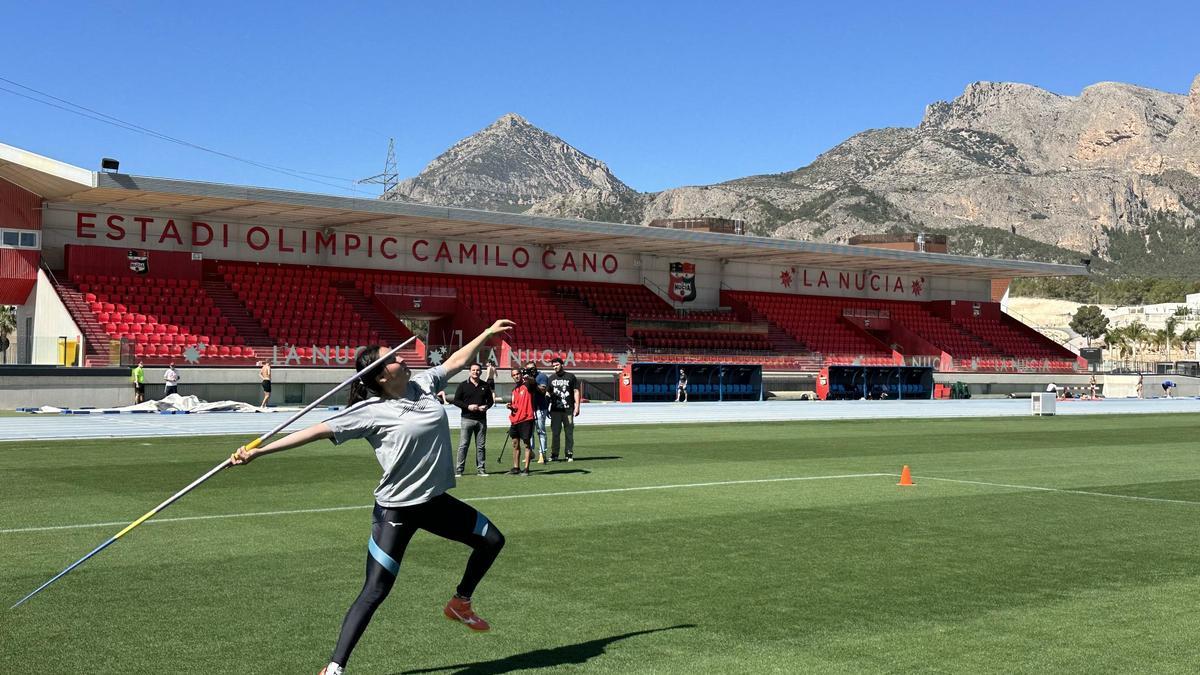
<point>138,377</point>
<point>170,380</point>
<point>521,418</point>
<point>541,408</point>
<point>681,388</point>
<point>565,396</point>
<point>264,373</point>
<point>474,397</point>
<point>409,432</point>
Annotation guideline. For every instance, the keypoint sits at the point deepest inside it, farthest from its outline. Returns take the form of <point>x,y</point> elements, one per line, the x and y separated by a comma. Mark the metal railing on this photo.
<point>1042,330</point>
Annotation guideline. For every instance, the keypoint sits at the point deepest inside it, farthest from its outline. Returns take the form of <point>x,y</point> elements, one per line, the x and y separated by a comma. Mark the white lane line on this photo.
<point>51,528</point>
<point>1037,488</point>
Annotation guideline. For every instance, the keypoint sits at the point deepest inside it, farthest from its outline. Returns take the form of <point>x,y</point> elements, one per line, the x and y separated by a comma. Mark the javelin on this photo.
<point>249,446</point>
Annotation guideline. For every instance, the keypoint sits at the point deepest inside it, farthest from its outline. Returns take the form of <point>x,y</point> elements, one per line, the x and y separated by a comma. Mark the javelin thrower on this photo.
<point>213,471</point>
<point>402,419</point>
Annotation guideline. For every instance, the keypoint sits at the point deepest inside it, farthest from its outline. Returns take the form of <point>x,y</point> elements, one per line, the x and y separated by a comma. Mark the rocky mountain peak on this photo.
<point>1005,169</point>
<point>507,166</point>
<point>509,120</point>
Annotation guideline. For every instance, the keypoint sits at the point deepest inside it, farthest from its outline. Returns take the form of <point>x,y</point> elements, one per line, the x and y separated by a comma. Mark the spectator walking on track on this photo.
<point>681,388</point>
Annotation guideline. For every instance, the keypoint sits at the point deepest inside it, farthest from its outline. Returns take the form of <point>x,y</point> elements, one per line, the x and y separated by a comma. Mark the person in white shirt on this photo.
<point>170,380</point>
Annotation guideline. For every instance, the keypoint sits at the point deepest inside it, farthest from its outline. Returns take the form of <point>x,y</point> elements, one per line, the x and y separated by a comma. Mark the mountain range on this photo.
<point>1004,169</point>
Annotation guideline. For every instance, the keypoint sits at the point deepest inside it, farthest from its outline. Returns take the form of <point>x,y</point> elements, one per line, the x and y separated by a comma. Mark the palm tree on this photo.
<point>1138,335</point>
<point>8,324</point>
<point>1117,340</point>
<point>1189,338</point>
<point>1169,334</point>
<point>1159,341</point>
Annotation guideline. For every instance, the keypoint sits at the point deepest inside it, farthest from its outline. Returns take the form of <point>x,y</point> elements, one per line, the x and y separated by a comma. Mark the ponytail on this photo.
<point>365,385</point>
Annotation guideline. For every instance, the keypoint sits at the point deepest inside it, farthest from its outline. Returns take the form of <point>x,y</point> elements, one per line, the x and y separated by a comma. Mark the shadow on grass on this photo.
<point>592,459</point>
<point>560,472</point>
<point>542,658</point>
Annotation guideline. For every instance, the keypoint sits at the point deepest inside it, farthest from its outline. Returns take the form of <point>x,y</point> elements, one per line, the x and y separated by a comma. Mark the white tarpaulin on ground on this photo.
<point>173,402</point>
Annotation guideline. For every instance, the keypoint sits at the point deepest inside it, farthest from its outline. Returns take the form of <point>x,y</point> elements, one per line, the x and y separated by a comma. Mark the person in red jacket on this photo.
<point>521,419</point>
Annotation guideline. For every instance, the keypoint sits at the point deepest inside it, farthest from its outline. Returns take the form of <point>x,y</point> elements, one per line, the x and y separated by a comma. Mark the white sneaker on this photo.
<point>332,669</point>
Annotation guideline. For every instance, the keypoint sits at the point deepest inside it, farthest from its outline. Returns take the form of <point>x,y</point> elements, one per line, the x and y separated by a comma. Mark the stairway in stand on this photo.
<point>235,313</point>
<point>607,334</point>
<point>781,341</point>
<point>389,333</point>
<point>95,340</point>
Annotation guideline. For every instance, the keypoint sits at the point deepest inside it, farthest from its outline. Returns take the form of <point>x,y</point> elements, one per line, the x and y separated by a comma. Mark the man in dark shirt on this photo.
<point>565,397</point>
<point>681,388</point>
<point>474,397</point>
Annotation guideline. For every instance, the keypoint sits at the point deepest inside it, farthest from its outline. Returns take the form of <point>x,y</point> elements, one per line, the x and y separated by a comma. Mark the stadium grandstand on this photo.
<point>108,268</point>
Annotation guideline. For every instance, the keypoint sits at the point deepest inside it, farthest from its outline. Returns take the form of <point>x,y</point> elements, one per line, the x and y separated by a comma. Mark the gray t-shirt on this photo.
<point>411,437</point>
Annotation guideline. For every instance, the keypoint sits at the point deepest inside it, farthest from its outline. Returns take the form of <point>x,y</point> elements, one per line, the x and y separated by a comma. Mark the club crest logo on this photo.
<point>139,261</point>
<point>682,287</point>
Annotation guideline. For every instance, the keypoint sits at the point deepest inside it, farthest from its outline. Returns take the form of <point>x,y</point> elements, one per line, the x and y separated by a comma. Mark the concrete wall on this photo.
<point>994,384</point>
<point>51,320</point>
<point>111,387</point>
<point>31,387</point>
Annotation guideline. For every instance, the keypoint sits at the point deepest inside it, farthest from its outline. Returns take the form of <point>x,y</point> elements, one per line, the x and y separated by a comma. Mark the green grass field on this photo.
<point>693,572</point>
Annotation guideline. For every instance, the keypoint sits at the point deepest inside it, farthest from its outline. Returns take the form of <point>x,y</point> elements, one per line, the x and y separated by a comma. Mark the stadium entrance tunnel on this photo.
<point>852,383</point>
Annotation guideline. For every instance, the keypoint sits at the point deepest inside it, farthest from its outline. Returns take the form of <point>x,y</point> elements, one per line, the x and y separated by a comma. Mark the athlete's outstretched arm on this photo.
<point>292,440</point>
<point>466,356</point>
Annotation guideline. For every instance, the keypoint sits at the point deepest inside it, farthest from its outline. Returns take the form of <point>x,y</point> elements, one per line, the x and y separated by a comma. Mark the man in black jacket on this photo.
<point>474,397</point>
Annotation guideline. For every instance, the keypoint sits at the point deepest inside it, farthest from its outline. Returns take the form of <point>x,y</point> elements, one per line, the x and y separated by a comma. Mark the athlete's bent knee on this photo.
<point>493,539</point>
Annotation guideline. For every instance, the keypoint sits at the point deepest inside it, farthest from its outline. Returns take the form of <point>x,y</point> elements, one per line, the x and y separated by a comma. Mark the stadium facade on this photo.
<point>107,267</point>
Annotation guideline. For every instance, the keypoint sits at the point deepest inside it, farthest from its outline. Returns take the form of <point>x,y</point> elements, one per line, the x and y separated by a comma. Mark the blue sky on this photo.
<point>666,93</point>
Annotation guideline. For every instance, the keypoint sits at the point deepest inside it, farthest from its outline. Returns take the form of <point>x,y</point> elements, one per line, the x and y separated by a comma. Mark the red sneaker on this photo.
<point>460,610</point>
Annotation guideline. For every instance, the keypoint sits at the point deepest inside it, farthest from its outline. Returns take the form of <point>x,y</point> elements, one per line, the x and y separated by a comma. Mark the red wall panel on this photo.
<point>18,274</point>
<point>115,262</point>
<point>19,208</point>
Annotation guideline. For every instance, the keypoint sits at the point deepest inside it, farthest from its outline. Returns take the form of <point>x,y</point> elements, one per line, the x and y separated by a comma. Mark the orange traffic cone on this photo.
<point>905,476</point>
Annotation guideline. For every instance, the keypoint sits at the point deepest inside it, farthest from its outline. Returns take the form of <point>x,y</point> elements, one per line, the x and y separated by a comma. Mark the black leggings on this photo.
<point>391,530</point>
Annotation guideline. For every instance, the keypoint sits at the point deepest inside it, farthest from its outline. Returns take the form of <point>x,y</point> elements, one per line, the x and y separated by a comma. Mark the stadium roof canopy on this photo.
<point>58,182</point>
